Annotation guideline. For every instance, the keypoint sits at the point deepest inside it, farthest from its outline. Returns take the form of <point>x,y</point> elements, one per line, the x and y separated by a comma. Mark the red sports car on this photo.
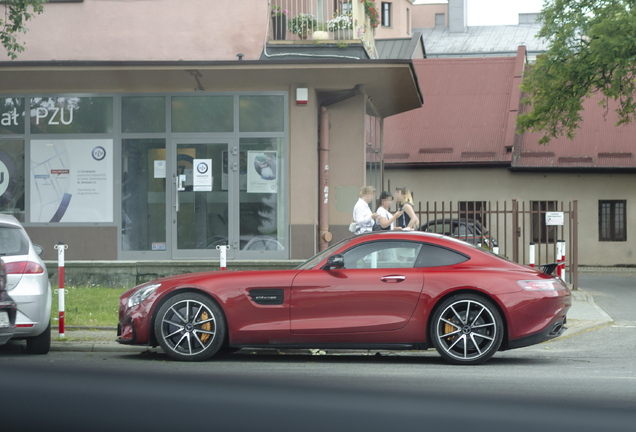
<point>382,290</point>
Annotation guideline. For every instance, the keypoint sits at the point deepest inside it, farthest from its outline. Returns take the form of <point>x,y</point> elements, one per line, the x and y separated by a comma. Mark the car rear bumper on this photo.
<point>34,309</point>
<point>553,330</point>
<point>8,306</point>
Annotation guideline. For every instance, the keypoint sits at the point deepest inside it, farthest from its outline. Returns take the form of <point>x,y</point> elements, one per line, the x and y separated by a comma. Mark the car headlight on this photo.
<point>542,285</point>
<point>142,294</point>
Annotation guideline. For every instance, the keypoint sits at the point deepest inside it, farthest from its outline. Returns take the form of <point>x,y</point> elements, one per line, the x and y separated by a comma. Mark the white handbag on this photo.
<point>352,227</point>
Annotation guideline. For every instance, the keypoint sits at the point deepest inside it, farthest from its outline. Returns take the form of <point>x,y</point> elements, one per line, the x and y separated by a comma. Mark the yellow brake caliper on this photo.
<point>448,329</point>
<point>207,327</point>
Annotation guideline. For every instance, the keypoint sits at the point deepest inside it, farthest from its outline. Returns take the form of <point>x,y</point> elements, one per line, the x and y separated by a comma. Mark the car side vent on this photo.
<point>267,296</point>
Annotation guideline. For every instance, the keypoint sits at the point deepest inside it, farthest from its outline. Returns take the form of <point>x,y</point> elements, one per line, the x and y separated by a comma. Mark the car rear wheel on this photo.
<point>40,344</point>
<point>190,327</point>
<point>467,329</point>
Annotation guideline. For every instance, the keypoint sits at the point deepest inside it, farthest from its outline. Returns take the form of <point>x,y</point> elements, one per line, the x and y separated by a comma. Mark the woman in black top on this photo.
<point>408,219</point>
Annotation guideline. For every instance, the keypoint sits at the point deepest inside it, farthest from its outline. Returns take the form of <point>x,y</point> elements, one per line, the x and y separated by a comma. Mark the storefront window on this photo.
<point>143,192</point>
<point>67,115</point>
<point>202,114</point>
<point>261,114</point>
<point>143,114</point>
<point>71,181</point>
<point>262,211</point>
<point>12,178</point>
<point>12,116</point>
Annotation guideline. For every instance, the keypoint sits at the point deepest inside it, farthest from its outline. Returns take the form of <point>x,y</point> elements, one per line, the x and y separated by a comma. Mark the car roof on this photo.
<point>9,220</point>
<point>400,233</point>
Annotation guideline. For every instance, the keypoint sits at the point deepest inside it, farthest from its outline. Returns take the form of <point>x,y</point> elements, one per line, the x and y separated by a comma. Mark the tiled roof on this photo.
<point>463,118</point>
<point>598,143</point>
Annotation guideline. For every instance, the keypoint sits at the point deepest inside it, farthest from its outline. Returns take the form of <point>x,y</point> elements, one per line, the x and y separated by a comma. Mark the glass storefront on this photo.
<point>177,174</point>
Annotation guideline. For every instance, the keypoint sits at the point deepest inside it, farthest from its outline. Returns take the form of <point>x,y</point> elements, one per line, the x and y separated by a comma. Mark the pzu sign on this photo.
<point>58,116</point>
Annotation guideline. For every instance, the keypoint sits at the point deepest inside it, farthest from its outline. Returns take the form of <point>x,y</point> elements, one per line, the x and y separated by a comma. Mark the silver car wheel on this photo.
<point>467,330</point>
<point>188,328</point>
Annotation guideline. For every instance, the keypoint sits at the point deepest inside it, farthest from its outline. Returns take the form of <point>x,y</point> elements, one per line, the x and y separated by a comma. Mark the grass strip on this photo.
<point>88,306</point>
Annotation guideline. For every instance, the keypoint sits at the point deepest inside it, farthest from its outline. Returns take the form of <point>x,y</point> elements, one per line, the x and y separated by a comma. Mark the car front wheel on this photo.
<point>190,327</point>
<point>467,329</point>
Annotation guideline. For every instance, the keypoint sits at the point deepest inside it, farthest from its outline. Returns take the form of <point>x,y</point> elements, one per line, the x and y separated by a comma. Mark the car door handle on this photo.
<point>392,278</point>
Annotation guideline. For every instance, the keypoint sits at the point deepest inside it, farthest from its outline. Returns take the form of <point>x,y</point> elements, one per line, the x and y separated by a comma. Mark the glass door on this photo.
<point>201,198</point>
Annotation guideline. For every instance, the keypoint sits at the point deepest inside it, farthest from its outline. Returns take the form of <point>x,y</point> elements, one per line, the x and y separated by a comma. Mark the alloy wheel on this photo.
<point>467,330</point>
<point>188,327</point>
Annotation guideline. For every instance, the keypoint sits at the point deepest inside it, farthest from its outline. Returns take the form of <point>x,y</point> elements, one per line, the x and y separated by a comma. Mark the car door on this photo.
<point>377,290</point>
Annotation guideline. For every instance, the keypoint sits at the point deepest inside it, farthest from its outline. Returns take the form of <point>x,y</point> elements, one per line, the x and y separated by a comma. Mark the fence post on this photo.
<point>515,230</point>
<point>574,247</point>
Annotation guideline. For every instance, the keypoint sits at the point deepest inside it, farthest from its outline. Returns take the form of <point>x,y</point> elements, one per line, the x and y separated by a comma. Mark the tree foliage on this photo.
<point>592,50</point>
<point>13,22</point>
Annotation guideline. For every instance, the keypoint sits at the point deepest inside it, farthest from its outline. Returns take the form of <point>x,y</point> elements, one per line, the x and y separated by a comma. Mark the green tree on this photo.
<point>16,14</point>
<point>592,50</point>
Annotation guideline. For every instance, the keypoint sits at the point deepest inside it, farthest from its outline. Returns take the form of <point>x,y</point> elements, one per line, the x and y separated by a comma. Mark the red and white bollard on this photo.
<point>561,253</point>
<point>223,250</point>
<point>531,254</point>
<point>60,270</point>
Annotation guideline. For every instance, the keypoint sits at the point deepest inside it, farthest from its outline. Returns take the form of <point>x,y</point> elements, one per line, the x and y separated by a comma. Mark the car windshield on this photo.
<point>311,262</point>
<point>13,241</point>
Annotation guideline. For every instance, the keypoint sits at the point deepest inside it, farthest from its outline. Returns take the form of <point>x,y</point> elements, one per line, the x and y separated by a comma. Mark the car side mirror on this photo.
<point>38,249</point>
<point>334,261</point>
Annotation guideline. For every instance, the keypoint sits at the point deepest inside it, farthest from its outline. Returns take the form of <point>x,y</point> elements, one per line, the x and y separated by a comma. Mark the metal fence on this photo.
<point>508,228</point>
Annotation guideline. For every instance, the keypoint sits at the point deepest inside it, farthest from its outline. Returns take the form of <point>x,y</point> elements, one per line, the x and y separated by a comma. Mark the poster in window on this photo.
<point>261,171</point>
<point>202,171</point>
<point>71,180</point>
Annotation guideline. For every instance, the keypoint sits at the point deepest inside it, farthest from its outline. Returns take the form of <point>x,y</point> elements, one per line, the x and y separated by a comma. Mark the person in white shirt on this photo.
<point>385,219</point>
<point>362,215</point>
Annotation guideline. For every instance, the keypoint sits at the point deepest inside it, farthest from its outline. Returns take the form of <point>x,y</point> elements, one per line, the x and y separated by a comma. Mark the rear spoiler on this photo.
<point>549,268</point>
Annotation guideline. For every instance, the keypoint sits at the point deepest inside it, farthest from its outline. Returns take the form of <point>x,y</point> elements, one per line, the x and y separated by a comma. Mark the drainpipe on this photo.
<point>323,184</point>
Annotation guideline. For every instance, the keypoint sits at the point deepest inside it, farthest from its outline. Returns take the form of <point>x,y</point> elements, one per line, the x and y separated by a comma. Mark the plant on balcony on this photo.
<point>340,21</point>
<point>341,25</point>
<point>372,12</point>
<point>302,24</point>
<point>279,22</point>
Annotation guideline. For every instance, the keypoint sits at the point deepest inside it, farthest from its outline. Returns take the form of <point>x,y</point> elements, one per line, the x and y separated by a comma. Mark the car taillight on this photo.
<point>23,267</point>
<point>541,285</point>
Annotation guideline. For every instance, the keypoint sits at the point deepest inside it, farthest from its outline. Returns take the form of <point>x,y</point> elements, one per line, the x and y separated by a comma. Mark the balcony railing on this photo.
<point>342,22</point>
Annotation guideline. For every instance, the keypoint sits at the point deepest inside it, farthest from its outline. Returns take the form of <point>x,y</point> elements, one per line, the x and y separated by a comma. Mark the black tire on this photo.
<point>40,344</point>
<point>466,329</point>
<point>190,327</point>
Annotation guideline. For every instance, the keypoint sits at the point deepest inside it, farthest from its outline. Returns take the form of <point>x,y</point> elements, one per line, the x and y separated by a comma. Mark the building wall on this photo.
<point>399,27</point>
<point>423,16</point>
<point>499,184</point>
<point>147,30</point>
<point>303,169</point>
<point>346,162</point>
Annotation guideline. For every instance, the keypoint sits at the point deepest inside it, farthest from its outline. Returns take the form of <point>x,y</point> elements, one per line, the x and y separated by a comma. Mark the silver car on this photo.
<point>28,284</point>
<point>7,309</point>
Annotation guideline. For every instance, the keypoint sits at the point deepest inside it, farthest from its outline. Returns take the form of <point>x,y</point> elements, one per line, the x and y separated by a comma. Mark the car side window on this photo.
<point>437,256</point>
<point>382,254</point>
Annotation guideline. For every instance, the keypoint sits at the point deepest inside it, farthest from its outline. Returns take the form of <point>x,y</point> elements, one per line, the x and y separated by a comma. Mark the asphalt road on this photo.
<point>583,382</point>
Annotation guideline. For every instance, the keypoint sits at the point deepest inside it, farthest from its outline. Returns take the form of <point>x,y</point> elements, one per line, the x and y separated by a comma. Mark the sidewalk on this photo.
<point>583,315</point>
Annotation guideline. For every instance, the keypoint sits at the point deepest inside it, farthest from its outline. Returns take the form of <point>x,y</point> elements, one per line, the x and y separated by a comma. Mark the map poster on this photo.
<point>71,180</point>
<point>261,172</point>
